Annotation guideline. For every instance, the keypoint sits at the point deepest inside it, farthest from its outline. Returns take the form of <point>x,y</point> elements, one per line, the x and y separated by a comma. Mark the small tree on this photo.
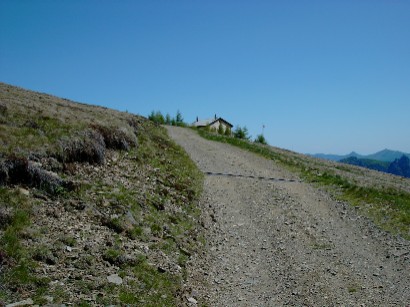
<point>220,129</point>
<point>168,119</point>
<point>152,116</point>
<point>228,131</point>
<point>241,133</point>
<point>157,117</point>
<point>179,119</point>
<point>261,139</point>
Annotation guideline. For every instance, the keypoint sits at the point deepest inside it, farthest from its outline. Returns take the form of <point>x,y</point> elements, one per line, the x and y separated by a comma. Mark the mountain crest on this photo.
<point>385,155</point>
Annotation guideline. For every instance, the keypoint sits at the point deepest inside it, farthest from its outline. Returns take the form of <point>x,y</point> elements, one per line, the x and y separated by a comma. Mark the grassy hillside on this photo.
<point>96,206</point>
<point>384,198</point>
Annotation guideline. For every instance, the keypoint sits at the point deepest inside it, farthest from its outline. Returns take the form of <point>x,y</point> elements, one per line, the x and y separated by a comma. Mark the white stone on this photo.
<point>115,279</point>
<point>26,302</point>
<point>192,300</point>
<point>24,191</point>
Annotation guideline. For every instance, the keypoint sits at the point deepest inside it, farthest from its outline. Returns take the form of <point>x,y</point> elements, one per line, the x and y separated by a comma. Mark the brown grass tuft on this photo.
<point>116,138</point>
<point>20,171</point>
<point>85,146</point>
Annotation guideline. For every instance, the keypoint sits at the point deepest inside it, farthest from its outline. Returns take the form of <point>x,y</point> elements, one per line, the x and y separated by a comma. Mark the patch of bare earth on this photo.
<point>276,243</point>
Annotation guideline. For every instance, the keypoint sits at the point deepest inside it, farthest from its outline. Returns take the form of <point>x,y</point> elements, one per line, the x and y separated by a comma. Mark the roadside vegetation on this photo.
<point>158,118</point>
<point>386,205</point>
<point>96,206</point>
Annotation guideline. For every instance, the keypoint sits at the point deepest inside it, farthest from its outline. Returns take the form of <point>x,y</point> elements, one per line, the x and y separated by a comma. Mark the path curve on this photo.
<point>287,243</point>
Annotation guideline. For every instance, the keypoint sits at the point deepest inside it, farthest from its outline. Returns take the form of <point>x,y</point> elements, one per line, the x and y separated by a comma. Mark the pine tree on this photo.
<point>220,129</point>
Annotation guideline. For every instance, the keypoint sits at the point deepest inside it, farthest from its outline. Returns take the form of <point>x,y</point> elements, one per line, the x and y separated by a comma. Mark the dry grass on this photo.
<point>35,122</point>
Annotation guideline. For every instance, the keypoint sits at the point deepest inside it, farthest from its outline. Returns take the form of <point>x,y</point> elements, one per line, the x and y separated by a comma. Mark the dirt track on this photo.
<point>276,243</point>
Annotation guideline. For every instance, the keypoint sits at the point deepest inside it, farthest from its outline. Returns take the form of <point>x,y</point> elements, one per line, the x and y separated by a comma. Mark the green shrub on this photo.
<point>68,240</point>
<point>261,139</point>
<point>114,223</point>
<point>113,256</point>
<point>157,117</point>
<point>179,120</point>
<point>241,133</point>
<point>135,233</point>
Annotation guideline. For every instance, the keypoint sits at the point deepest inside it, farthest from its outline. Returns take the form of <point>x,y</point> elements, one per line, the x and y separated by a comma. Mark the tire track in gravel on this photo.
<point>249,176</point>
<point>286,243</point>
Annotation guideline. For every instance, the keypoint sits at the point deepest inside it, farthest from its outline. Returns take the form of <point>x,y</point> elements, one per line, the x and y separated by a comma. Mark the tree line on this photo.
<point>239,132</point>
<point>157,117</point>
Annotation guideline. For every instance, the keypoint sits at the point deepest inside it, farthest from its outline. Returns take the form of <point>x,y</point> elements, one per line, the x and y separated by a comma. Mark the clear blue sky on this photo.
<point>323,76</point>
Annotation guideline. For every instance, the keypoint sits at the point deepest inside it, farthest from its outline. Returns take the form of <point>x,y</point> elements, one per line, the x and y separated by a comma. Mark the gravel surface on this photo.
<point>285,242</point>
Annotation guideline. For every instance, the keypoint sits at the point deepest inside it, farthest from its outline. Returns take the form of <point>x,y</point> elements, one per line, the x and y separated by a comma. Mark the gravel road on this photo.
<point>286,243</point>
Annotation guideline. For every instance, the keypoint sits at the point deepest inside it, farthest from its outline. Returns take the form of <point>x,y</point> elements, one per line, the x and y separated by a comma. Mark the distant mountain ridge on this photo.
<point>385,155</point>
<point>388,161</point>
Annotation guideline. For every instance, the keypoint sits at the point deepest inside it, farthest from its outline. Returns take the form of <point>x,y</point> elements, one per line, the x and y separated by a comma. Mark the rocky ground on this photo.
<point>97,207</point>
<point>285,242</point>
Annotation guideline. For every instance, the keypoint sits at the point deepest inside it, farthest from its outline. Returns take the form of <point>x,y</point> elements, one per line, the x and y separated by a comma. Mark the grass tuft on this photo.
<point>15,261</point>
<point>21,171</point>
<point>85,146</point>
<point>116,138</point>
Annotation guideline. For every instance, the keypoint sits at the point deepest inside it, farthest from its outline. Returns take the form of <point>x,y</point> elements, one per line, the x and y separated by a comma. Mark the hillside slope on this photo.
<point>96,206</point>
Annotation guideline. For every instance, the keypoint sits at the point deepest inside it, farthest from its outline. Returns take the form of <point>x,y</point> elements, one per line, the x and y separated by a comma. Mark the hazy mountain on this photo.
<point>333,157</point>
<point>385,155</point>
